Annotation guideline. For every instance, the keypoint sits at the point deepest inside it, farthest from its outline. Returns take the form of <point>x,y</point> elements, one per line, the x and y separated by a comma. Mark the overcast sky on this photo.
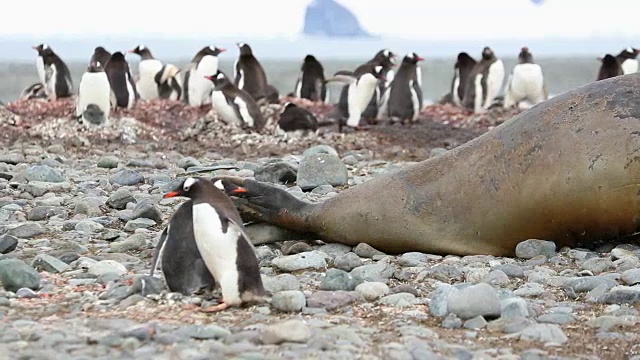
<point>432,19</point>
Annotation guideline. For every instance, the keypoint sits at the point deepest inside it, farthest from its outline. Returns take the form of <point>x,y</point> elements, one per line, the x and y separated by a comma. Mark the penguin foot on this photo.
<point>212,309</point>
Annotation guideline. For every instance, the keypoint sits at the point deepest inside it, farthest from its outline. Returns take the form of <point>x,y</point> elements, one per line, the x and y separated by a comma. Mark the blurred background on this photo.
<point>565,36</point>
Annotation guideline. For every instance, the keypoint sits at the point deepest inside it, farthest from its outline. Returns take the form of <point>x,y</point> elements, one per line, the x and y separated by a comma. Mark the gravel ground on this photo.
<point>81,211</point>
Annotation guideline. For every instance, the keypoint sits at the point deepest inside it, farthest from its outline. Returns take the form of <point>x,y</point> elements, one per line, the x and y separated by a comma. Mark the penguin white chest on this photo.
<point>147,87</point>
<point>495,78</point>
<point>218,249</point>
<point>359,95</point>
<point>95,90</point>
<point>527,82</point>
<point>225,111</point>
<point>629,66</point>
<point>40,69</point>
<point>454,91</point>
<point>199,87</point>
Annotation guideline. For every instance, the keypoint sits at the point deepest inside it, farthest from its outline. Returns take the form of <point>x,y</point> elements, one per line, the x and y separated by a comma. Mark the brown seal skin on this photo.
<point>566,170</point>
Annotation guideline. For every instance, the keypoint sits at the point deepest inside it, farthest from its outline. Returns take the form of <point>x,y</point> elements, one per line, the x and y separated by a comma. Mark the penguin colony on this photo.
<point>379,89</point>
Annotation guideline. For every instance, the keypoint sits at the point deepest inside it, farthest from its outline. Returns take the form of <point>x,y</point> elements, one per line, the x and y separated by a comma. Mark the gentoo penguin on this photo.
<point>168,82</point>
<point>485,82</point>
<point>178,257</point>
<point>402,100</point>
<point>310,84</point>
<point>148,68</point>
<point>296,119</point>
<point>610,67</point>
<point>462,70</point>
<point>222,242</point>
<point>34,91</point>
<point>628,59</point>
<point>123,88</point>
<point>53,73</point>
<point>526,82</point>
<point>362,84</point>
<point>94,96</point>
<point>100,55</point>
<point>233,105</point>
<point>197,89</point>
<point>249,74</point>
<point>386,59</point>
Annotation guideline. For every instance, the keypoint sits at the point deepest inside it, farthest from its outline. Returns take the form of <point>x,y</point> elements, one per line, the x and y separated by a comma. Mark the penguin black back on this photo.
<point>482,67</point>
<point>294,118</point>
<point>312,86</point>
<point>610,67</point>
<point>120,79</point>
<point>250,75</point>
<point>464,66</point>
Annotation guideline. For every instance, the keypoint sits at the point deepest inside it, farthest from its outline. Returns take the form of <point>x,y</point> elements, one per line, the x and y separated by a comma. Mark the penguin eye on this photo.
<point>187,184</point>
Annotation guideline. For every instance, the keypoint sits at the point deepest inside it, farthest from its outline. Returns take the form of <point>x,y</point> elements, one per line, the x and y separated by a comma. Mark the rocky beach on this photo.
<point>81,210</point>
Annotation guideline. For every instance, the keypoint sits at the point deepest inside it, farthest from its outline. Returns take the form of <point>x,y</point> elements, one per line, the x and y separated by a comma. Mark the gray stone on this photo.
<point>451,321</point>
<point>347,262</point>
<point>438,306</point>
<point>107,266</point>
<point>621,296</point>
<point>302,261</point>
<point>43,173</point>
<point>282,282</point>
<point>335,249</point>
<point>15,274</point>
<point>336,279</point>
<point>413,259</point>
<point>330,300</point>
<point>578,285</point>
<point>49,263</point>
<point>321,169</point>
<point>132,243</point>
<point>629,277</point>
<point>289,301</point>
<point>475,323</point>
<point>141,223</point>
<point>496,277</point>
<point>398,300</point>
<point>39,188</point>
<point>120,198</point>
<point>8,243</point>
<point>187,162</point>
<point>512,270</point>
<point>380,272</point>
<point>597,265</point>
<point>514,308</point>
<point>546,333</point>
<point>26,230</point>
<point>204,332</point>
<point>88,226</point>
<point>556,318</point>
<point>475,300</point>
<point>372,291</point>
<point>108,162</point>
<point>145,209</point>
<point>320,149</point>
<point>366,251</point>
<point>12,158</point>
<point>126,177</point>
<point>286,331</point>
<point>531,248</point>
<point>442,272</point>
<point>44,212</point>
<point>89,206</point>
<point>529,290</point>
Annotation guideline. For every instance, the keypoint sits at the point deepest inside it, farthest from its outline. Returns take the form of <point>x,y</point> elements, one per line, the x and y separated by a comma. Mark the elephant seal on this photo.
<point>566,170</point>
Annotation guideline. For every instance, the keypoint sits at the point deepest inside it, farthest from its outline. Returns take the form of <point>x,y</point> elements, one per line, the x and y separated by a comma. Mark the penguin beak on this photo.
<point>222,50</point>
<point>209,77</point>
<point>238,190</point>
<point>171,194</point>
<point>418,58</point>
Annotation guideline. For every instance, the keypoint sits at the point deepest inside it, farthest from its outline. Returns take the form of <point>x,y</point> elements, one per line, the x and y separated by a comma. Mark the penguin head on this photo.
<point>227,187</point>
<point>525,56</point>
<point>142,50</point>
<point>630,53</point>
<point>288,105</point>
<point>378,72</point>
<point>190,187</point>
<point>608,60</point>
<point>487,53</point>
<point>95,66</point>
<point>100,49</point>
<point>43,49</point>
<point>117,56</point>
<point>385,57</point>
<point>219,79</point>
<point>245,49</point>
<point>412,58</point>
<point>212,50</point>
<point>310,58</point>
<point>464,59</point>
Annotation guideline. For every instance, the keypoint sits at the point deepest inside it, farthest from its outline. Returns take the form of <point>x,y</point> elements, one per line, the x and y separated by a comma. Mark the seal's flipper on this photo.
<point>264,202</point>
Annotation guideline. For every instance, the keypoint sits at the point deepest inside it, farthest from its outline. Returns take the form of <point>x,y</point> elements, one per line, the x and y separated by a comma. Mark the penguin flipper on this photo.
<point>158,250</point>
<point>343,76</point>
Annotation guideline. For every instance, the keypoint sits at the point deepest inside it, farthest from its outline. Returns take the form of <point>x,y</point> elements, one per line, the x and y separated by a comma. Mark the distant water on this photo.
<point>561,74</point>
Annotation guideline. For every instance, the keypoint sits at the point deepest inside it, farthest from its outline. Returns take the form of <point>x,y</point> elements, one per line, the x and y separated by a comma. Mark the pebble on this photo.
<point>475,300</point>
<point>372,291</point>
<point>529,249</point>
<point>16,274</point>
<point>289,301</point>
<point>366,251</point>
<point>302,261</point>
<point>8,243</point>
<point>286,331</point>
<point>106,267</point>
<point>321,169</point>
<point>49,263</point>
<point>347,262</point>
<point>108,162</point>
